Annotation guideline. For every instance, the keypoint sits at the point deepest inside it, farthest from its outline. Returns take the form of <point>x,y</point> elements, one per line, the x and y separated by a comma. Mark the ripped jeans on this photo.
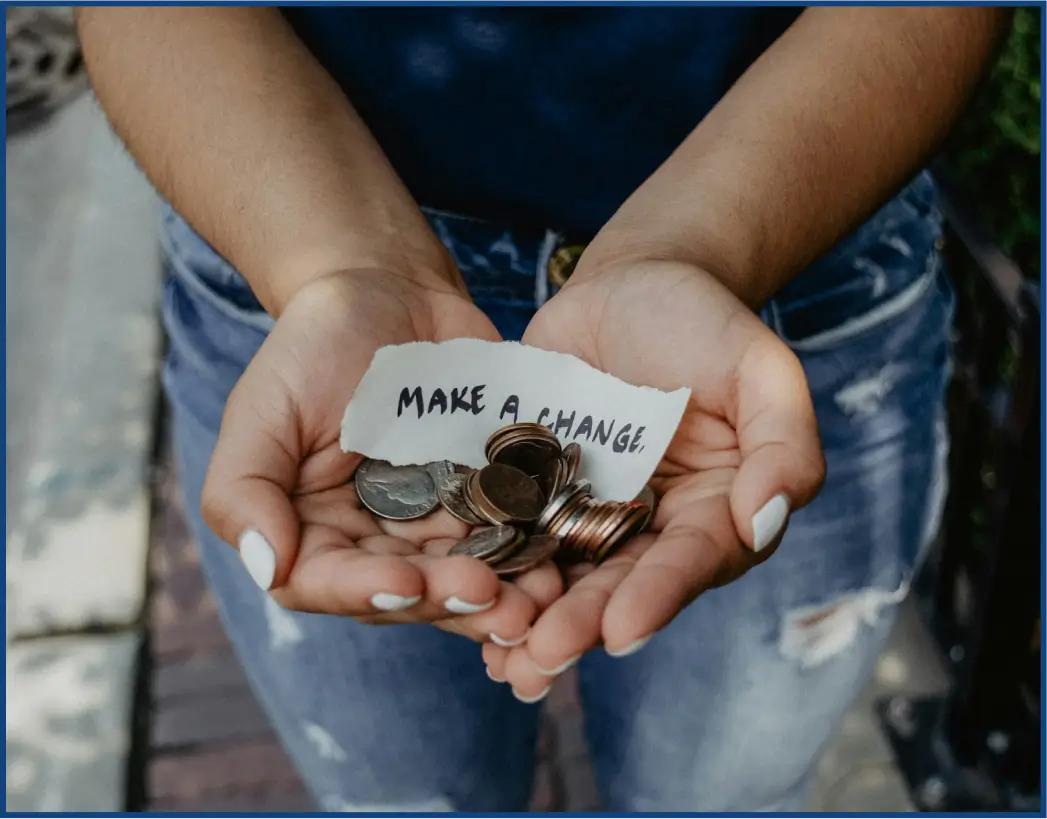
<point>730,706</point>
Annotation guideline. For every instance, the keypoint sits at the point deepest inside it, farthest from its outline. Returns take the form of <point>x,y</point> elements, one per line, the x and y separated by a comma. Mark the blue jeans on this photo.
<point>730,706</point>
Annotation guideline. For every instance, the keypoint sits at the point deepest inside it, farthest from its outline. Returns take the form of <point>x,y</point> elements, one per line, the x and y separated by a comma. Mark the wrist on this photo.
<point>718,246</point>
<point>434,271</point>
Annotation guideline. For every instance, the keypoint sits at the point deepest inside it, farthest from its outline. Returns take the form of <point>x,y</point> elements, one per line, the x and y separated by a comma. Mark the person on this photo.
<point>746,185</point>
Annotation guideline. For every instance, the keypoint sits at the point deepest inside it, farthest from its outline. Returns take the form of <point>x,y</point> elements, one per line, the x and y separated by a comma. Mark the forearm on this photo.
<point>242,130</point>
<point>825,126</point>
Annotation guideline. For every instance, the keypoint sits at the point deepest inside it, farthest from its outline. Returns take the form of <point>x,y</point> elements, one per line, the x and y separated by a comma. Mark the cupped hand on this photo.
<point>278,486</point>
<point>746,452</point>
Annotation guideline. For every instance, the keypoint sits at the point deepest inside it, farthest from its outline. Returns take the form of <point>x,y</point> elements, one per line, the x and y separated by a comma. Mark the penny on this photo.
<point>556,505</point>
<point>528,455</point>
<point>396,492</point>
<point>552,478</point>
<point>450,493</point>
<point>506,494</point>
<point>486,542</point>
<point>522,431</point>
<point>572,457</point>
<point>538,549</point>
<point>647,497</point>
<point>631,523</point>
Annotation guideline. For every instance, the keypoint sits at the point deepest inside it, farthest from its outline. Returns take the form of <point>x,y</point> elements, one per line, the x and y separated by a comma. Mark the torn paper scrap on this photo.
<point>423,402</point>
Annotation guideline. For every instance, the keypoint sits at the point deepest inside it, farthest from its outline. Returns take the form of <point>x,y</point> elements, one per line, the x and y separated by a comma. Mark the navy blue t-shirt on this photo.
<point>536,116</point>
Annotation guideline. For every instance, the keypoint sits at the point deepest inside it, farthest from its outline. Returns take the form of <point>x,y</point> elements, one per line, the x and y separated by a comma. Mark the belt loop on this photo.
<point>546,250</point>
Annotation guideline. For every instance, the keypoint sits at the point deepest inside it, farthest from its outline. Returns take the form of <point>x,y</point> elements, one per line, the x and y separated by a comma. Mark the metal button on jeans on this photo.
<point>563,262</point>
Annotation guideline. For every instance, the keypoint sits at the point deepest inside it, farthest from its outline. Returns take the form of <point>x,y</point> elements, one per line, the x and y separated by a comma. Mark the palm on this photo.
<point>666,326</point>
<point>337,554</point>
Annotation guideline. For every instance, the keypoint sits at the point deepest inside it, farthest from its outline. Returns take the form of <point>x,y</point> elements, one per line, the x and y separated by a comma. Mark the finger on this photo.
<point>543,584</point>
<point>697,550</point>
<point>572,625</point>
<point>333,575</point>
<point>506,624</point>
<point>529,684</point>
<point>782,465</point>
<point>457,584</point>
<point>494,657</point>
<point>253,470</point>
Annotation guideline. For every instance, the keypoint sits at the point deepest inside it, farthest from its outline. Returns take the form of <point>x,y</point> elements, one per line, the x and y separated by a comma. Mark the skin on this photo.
<point>288,184</point>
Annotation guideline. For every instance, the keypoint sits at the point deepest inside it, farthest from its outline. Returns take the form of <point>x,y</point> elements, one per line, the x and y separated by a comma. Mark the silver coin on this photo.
<point>396,492</point>
<point>438,470</point>
<point>449,490</point>
<point>487,542</point>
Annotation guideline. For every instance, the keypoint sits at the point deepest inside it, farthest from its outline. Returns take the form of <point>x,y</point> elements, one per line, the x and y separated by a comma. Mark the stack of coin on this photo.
<point>591,530</point>
<point>530,486</point>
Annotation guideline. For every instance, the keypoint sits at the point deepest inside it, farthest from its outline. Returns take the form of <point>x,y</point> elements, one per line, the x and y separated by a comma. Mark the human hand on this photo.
<point>278,483</point>
<point>746,452</point>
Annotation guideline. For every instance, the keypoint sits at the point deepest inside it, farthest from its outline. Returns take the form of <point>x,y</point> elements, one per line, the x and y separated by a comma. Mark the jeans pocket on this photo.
<point>869,278</point>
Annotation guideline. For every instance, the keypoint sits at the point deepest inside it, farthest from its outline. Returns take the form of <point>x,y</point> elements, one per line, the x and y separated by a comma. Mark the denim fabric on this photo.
<point>729,707</point>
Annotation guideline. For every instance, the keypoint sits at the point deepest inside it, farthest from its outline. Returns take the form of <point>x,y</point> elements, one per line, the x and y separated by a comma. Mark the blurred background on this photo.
<point>122,692</point>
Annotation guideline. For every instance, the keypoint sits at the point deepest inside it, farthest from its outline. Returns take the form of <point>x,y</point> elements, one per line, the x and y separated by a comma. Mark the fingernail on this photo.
<point>459,606</point>
<point>768,522</point>
<point>509,643</point>
<point>560,669</point>
<point>531,700</point>
<point>496,679</point>
<point>632,648</point>
<point>258,558</point>
<point>393,602</point>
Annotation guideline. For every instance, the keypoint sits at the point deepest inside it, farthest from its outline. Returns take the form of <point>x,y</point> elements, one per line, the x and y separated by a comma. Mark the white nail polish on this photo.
<point>768,522</point>
<point>393,602</point>
<point>258,558</point>
<point>496,679</point>
<point>531,700</point>
<point>632,648</point>
<point>560,669</point>
<point>498,641</point>
<point>459,606</point>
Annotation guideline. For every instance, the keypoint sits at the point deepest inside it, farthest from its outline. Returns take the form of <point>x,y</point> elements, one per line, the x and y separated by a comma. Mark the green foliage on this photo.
<point>995,149</point>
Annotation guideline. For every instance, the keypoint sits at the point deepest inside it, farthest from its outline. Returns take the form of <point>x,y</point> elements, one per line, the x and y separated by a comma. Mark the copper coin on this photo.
<point>555,506</point>
<point>647,497</point>
<point>469,492</point>
<point>533,430</point>
<point>486,542</point>
<point>450,492</point>
<point>629,528</point>
<point>572,456</point>
<point>528,455</point>
<point>552,478</point>
<point>509,494</point>
<point>538,549</point>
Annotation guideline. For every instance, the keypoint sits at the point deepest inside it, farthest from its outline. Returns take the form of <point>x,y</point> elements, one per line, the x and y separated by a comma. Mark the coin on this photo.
<point>486,542</point>
<point>552,478</point>
<point>647,497</point>
<point>438,470</point>
<point>504,494</point>
<point>528,455</point>
<point>631,522</point>
<point>396,492</point>
<point>449,491</point>
<point>572,457</point>
<point>537,550</point>
<point>525,430</point>
<point>556,505</point>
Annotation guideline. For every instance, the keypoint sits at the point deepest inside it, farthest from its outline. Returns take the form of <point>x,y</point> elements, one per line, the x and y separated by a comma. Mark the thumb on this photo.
<point>782,465</point>
<point>254,468</point>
